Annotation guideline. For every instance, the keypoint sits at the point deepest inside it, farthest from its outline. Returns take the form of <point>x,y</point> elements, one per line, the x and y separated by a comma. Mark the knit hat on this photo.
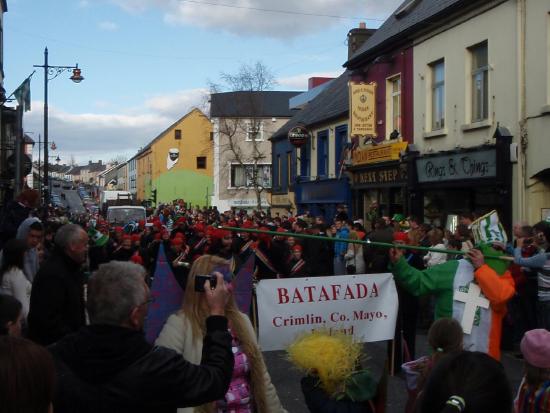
<point>401,236</point>
<point>176,241</point>
<point>136,259</point>
<point>297,248</point>
<point>535,347</point>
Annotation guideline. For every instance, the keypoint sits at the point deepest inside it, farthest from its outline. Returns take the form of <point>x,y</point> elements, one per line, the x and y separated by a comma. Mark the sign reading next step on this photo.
<point>299,135</point>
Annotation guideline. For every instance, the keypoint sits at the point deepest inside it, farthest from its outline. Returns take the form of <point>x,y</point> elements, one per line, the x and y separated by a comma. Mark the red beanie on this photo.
<point>136,259</point>
<point>401,236</point>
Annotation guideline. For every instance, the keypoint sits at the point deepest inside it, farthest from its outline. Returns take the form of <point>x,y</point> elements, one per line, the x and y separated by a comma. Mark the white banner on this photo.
<point>364,306</point>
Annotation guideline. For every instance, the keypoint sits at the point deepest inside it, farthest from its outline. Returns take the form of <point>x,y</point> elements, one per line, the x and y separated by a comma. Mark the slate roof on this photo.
<point>420,16</point>
<point>265,104</point>
<point>331,103</point>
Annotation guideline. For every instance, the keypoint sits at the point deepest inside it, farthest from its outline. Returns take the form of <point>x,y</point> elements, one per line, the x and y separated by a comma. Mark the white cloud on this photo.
<point>106,135</point>
<point>259,18</point>
<point>83,4</point>
<point>300,82</point>
<point>107,26</point>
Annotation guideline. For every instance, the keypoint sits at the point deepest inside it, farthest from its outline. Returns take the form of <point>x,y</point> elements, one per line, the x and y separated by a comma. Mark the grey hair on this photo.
<point>113,291</point>
<point>67,235</point>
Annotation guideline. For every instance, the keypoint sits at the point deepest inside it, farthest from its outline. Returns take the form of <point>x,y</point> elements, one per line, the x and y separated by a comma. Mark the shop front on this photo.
<point>474,180</point>
<point>379,182</point>
<point>323,197</point>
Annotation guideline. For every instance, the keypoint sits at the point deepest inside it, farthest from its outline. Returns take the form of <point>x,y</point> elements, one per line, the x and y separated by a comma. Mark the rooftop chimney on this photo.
<point>317,81</point>
<point>357,37</point>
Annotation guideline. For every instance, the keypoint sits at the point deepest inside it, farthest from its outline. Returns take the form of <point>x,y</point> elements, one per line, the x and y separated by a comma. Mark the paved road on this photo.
<point>71,200</point>
<point>287,379</point>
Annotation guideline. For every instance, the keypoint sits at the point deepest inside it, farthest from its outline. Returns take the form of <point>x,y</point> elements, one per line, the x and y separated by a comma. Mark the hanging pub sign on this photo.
<point>362,109</point>
<point>298,135</point>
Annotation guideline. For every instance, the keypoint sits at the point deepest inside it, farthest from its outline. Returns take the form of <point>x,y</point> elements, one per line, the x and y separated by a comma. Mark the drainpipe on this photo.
<point>523,135</point>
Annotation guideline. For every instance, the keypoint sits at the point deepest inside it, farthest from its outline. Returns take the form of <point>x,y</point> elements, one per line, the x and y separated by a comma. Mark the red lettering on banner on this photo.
<point>335,291</point>
<point>309,289</point>
<point>323,294</point>
<point>297,297</point>
<point>349,294</point>
<point>361,291</point>
<point>374,291</point>
<point>283,295</point>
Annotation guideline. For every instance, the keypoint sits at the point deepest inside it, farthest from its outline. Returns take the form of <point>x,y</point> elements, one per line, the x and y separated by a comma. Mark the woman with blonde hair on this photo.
<point>355,262</point>
<point>251,389</point>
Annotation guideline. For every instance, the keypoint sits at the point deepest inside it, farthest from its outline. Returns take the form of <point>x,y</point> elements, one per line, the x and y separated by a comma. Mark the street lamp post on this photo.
<point>50,73</point>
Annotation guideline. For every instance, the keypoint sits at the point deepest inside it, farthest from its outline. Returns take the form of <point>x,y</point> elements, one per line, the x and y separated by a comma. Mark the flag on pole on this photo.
<point>167,294</point>
<point>242,290</point>
<point>488,229</point>
<point>23,94</point>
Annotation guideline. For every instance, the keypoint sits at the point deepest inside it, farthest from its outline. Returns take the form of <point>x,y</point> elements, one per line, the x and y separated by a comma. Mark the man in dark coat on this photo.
<point>57,297</point>
<point>108,366</point>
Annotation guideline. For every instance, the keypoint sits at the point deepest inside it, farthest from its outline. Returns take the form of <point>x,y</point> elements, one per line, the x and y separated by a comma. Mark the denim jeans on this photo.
<point>543,314</point>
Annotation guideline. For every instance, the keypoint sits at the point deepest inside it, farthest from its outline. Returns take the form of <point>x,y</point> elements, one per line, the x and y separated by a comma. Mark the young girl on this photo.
<point>12,278</point>
<point>534,391</point>
<point>444,336</point>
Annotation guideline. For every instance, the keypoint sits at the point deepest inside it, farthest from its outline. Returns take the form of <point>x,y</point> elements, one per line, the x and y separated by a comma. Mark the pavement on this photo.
<point>71,200</point>
<point>287,379</point>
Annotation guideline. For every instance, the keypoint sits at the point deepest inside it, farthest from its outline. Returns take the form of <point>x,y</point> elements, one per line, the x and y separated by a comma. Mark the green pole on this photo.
<point>355,241</point>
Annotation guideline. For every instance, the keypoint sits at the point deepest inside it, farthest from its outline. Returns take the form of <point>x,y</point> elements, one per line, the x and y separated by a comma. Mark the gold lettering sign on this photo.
<point>380,153</point>
<point>362,109</point>
<point>382,176</point>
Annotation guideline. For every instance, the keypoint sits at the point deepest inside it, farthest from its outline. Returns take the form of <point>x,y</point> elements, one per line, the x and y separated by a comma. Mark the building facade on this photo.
<point>243,123</point>
<point>178,162</point>
<point>131,181</point>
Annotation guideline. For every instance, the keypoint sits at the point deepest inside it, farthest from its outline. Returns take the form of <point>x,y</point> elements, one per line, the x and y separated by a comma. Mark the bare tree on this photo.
<point>244,122</point>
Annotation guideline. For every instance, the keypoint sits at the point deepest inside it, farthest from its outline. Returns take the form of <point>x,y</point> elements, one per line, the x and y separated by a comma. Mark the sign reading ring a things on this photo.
<point>299,135</point>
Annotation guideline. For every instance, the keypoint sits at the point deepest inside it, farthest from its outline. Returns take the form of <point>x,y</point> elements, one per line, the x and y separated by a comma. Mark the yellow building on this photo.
<point>178,162</point>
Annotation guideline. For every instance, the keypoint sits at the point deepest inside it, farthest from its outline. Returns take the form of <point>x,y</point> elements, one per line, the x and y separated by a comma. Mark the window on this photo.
<point>201,162</point>
<point>177,134</point>
<point>279,172</point>
<point>394,105</point>
<point>243,176</point>
<point>304,159</point>
<point>289,168</point>
<point>322,154</point>
<point>438,95</point>
<point>255,130</point>
<point>480,82</point>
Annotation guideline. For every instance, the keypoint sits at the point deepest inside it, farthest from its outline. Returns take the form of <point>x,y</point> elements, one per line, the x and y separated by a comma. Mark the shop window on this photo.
<point>480,82</point>
<point>245,176</point>
<point>393,107</point>
<point>201,162</point>
<point>438,95</point>
<point>341,138</point>
<point>177,134</point>
<point>279,172</point>
<point>304,159</point>
<point>289,168</point>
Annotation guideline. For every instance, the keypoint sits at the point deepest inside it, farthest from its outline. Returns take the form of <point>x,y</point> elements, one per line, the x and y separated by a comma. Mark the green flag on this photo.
<point>23,94</point>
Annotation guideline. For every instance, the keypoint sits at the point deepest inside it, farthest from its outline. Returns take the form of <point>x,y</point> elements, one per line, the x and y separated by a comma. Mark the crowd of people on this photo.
<point>80,287</point>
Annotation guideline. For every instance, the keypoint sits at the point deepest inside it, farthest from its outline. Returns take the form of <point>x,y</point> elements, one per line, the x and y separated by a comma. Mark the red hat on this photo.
<point>220,233</point>
<point>232,223</point>
<point>136,237</point>
<point>119,229</point>
<point>297,247</point>
<point>181,220</point>
<point>126,237</point>
<point>179,235</point>
<point>264,237</point>
<point>292,219</point>
<point>176,241</point>
<point>281,229</point>
<point>157,236</point>
<point>199,227</point>
<point>400,236</point>
<point>141,223</point>
<point>247,224</point>
<point>136,259</point>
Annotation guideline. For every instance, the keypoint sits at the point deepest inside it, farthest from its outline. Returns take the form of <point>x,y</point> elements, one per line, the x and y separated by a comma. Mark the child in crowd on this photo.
<point>11,316</point>
<point>534,390</point>
<point>444,337</point>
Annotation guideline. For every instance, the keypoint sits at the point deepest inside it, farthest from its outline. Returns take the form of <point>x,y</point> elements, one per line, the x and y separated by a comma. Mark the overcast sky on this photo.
<point>148,62</point>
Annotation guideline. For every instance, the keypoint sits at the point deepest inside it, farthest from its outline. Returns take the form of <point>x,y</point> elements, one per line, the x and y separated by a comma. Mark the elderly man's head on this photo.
<point>73,241</point>
<point>118,295</point>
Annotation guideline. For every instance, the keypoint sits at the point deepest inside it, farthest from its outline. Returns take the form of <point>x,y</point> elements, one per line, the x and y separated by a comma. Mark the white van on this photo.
<point>122,215</point>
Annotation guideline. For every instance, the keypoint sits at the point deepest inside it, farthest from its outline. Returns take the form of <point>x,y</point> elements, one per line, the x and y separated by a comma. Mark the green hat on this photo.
<point>398,217</point>
<point>98,238</point>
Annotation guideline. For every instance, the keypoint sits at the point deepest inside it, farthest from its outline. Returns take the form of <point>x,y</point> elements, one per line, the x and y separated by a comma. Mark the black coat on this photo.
<point>318,401</point>
<point>57,299</point>
<point>104,369</point>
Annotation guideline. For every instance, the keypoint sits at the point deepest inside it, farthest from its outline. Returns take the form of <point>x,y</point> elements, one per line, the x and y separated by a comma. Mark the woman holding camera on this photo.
<point>250,389</point>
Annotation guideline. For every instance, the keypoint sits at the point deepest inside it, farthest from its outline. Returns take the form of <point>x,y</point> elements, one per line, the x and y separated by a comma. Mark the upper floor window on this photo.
<point>201,162</point>
<point>177,134</point>
<point>480,82</point>
<point>249,177</point>
<point>254,130</point>
<point>394,106</point>
<point>438,95</point>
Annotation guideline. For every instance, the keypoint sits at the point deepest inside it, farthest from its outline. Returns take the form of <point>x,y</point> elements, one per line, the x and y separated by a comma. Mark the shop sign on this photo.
<point>299,135</point>
<point>465,165</point>
<point>362,109</point>
<point>280,200</point>
<point>247,203</point>
<point>378,176</point>
<point>379,153</point>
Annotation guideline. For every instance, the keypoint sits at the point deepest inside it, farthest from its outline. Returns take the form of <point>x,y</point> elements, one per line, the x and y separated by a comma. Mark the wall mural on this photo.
<point>172,158</point>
